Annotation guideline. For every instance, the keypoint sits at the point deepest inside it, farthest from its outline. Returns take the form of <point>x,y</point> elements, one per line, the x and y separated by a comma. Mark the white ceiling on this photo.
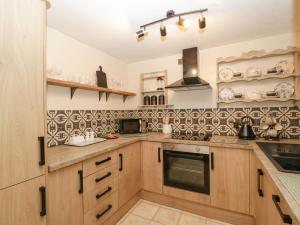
<point>110,25</point>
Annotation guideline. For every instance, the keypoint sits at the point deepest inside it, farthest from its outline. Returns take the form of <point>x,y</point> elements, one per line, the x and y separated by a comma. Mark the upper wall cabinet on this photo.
<point>22,41</point>
<point>259,76</point>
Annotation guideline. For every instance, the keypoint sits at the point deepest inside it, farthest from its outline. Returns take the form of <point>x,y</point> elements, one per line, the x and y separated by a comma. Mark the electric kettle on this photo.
<point>244,128</point>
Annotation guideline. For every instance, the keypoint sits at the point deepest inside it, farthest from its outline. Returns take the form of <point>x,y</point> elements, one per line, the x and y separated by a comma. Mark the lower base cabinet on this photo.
<point>24,204</point>
<point>266,211</point>
<point>230,179</point>
<point>152,167</point>
<point>64,194</point>
<point>129,160</point>
<point>102,211</point>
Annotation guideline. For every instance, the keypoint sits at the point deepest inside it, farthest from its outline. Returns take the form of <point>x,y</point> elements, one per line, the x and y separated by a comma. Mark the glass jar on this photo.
<point>161,100</point>
<point>146,100</point>
<point>153,100</point>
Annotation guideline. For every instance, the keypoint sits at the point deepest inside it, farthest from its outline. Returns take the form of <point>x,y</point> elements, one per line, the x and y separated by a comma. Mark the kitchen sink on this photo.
<point>285,157</point>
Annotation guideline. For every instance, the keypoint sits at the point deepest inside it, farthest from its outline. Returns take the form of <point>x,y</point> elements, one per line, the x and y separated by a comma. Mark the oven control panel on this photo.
<point>201,149</point>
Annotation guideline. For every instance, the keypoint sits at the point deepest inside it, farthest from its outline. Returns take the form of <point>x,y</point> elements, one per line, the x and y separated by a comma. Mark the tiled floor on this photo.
<point>149,213</point>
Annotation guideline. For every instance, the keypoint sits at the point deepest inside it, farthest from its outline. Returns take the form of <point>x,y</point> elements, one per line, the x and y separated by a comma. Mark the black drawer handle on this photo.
<point>260,173</point>
<point>42,150</point>
<point>102,178</point>
<point>103,161</point>
<point>158,155</point>
<point>103,193</point>
<point>43,201</point>
<point>212,161</point>
<point>99,215</point>
<point>80,172</point>
<point>121,162</point>
<point>285,218</point>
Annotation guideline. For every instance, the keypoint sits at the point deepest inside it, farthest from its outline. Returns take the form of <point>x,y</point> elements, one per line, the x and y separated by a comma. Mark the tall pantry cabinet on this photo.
<point>22,112</point>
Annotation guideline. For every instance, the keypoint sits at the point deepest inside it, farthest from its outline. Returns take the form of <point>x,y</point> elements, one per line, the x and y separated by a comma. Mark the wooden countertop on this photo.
<point>287,183</point>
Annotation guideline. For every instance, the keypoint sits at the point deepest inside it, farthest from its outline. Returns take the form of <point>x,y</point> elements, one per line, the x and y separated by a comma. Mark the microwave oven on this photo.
<point>132,126</point>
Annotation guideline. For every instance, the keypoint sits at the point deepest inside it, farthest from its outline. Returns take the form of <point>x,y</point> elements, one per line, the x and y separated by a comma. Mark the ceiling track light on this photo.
<point>141,34</point>
<point>182,23</point>
<point>202,22</point>
<point>163,30</point>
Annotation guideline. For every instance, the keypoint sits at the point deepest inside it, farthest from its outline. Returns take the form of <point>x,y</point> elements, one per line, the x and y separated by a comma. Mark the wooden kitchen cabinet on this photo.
<point>22,84</point>
<point>65,196</point>
<point>230,179</point>
<point>260,193</point>
<point>266,212</point>
<point>152,173</point>
<point>22,204</point>
<point>129,160</point>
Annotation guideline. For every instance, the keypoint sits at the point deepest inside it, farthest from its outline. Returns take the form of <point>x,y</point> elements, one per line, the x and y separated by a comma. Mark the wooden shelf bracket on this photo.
<point>107,96</point>
<point>100,95</point>
<point>73,89</point>
<point>124,98</point>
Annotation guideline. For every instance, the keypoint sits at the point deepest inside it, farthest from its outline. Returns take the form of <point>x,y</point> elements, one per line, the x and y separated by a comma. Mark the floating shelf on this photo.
<point>259,100</point>
<point>74,86</point>
<point>262,77</point>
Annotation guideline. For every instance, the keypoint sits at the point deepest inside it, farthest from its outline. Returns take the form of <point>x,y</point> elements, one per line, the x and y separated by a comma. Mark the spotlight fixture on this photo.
<point>202,22</point>
<point>141,33</point>
<point>163,30</point>
<point>182,23</point>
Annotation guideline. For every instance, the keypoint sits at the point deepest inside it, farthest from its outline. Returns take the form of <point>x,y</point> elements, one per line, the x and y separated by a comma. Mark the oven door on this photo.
<point>188,171</point>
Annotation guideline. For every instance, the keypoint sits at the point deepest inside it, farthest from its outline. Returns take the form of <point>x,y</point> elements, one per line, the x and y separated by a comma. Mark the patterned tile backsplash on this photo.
<point>61,124</point>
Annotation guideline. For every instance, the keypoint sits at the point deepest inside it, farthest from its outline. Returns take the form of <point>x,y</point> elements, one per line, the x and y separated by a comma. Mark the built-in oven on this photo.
<point>186,167</point>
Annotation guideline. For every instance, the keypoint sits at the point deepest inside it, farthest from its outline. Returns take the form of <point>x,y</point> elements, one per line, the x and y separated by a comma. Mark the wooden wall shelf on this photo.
<point>258,54</point>
<point>262,77</point>
<point>259,100</point>
<point>74,86</point>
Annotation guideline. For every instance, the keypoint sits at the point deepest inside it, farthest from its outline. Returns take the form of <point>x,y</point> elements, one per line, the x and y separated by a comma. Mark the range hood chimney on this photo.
<point>191,80</point>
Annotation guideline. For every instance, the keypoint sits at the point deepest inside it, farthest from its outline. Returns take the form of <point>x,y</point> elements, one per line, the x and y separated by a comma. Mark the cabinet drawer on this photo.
<point>97,179</point>
<point>103,211</point>
<point>99,194</point>
<point>93,165</point>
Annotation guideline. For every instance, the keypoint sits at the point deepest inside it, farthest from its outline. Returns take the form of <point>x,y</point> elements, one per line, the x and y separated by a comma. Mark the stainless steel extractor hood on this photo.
<point>191,80</point>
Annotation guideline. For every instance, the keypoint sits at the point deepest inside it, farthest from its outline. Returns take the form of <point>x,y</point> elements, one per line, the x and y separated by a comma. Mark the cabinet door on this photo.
<point>129,172</point>
<point>260,194</point>
<point>230,179</point>
<point>64,194</point>
<point>21,204</point>
<point>152,165</point>
<point>22,26</point>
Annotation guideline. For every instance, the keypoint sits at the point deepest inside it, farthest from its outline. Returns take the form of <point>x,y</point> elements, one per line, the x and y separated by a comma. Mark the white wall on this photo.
<point>79,59</point>
<point>76,58</point>
<point>208,57</point>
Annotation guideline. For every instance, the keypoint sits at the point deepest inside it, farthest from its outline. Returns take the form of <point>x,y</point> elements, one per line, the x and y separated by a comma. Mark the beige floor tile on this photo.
<point>167,216</point>
<point>145,209</point>
<point>136,204</point>
<point>135,220</point>
<point>190,219</point>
